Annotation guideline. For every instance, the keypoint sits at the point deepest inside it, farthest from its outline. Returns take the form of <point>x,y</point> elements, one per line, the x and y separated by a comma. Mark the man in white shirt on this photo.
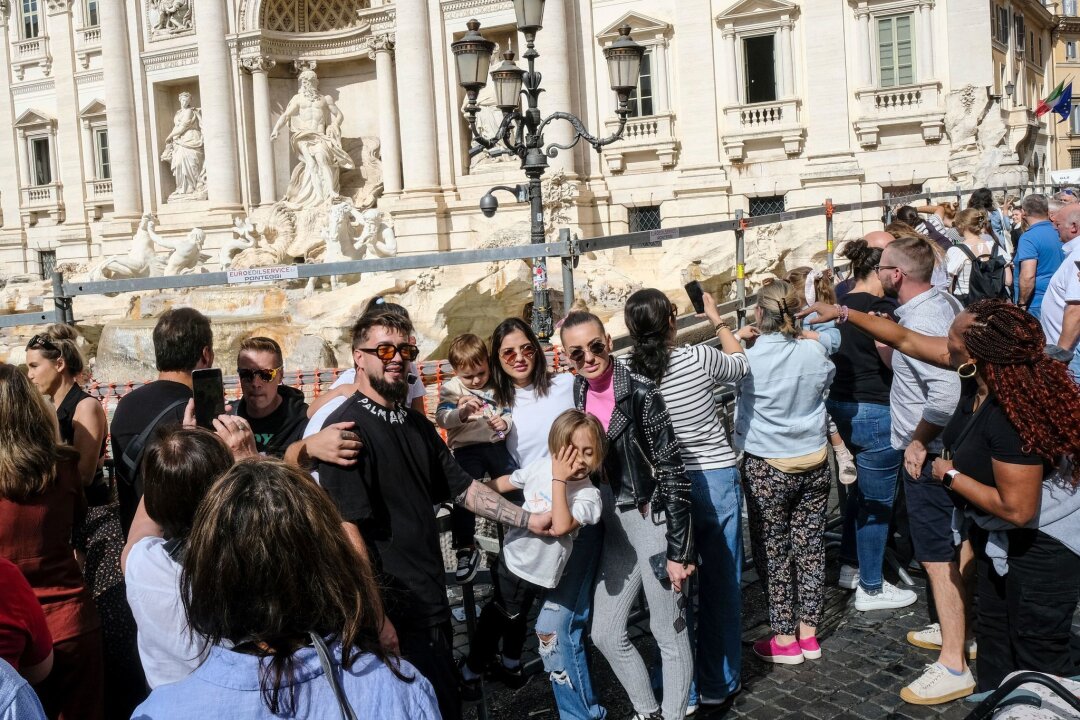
<point>1061,303</point>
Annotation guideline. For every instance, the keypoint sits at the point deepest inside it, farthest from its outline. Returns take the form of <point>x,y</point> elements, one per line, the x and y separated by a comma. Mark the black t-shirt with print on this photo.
<point>403,471</point>
<point>266,428</point>
<point>861,375</point>
<point>990,437</point>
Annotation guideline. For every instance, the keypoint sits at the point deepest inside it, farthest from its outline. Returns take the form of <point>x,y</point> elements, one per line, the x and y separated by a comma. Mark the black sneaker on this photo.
<point>468,563</point>
<point>471,690</point>
<point>513,678</point>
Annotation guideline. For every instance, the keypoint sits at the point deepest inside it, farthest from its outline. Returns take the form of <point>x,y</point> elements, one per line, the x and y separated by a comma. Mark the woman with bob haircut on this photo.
<point>41,502</point>
<point>270,575</point>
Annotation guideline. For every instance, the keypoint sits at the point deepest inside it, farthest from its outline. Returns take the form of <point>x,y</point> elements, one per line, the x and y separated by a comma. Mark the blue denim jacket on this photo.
<point>781,406</point>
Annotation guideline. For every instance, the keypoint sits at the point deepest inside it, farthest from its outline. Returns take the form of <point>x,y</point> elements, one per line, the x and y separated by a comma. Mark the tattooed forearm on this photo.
<point>487,503</point>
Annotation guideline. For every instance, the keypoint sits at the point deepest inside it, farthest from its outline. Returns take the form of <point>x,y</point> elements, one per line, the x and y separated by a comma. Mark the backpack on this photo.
<point>132,457</point>
<point>987,278</point>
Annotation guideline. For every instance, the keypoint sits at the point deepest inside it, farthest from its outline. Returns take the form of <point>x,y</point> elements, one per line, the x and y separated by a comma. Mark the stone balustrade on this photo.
<point>765,124</point>
<point>25,53</point>
<point>920,105</point>
<point>42,200</point>
<point>89,37</point>
<point>97,190</point>
<point>651,138</point>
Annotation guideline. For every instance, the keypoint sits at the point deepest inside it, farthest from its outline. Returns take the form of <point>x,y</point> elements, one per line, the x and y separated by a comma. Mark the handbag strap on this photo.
<point>331,677</point>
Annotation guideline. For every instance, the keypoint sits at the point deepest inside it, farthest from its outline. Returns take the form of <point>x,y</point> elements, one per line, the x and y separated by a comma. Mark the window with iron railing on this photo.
<point>46,263</point>
<point>1074,159</point>
<point>644,218</point>
<point>767,205</point>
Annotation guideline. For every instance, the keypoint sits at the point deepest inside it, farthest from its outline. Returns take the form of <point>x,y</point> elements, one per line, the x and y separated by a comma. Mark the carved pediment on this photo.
<point>641,27</point>
<point>96,107</point>
<point>34,118</point>
<point>756,11</point>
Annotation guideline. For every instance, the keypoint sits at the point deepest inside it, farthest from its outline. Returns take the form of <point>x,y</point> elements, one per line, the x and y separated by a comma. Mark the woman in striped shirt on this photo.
<point>687,377</point>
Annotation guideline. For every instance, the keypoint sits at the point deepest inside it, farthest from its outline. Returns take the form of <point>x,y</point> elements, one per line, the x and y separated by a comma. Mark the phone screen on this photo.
<point>209,391</point>
<point>693,289</point>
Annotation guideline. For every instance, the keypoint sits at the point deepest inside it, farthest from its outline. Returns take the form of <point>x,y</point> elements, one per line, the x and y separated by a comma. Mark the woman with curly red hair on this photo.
<point>1014,456</point>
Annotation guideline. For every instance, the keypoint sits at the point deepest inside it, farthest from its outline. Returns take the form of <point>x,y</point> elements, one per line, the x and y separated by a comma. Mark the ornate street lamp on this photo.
<point>521,132</point>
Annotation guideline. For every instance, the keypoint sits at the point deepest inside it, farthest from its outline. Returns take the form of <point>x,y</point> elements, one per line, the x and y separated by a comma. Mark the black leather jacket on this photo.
<point>643,463</point>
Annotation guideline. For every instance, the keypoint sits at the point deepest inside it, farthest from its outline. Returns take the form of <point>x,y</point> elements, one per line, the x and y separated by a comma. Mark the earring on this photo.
<point>967,370</point>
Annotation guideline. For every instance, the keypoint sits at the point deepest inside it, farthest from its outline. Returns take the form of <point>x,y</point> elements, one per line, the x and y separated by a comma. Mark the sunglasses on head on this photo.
<point>41,341</point>
<point>387,351</point>
<point>510,355</point>
<point>264,375</point>
<point>596,348</point>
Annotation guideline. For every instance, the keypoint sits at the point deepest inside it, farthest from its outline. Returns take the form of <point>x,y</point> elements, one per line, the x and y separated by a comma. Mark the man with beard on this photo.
<point>921,402</point>
<point>387,499</point>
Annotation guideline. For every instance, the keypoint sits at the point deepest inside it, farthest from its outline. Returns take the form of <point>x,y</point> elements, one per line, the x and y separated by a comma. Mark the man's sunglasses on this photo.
<point>265,375</point>
<point>41,341</point>
<point>597,348</point>
<point>510,355</point>
<point>387,351</point>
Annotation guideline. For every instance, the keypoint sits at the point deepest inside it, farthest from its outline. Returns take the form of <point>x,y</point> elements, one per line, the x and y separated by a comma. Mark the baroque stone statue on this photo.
<point>169,17</point>
<point>141,260</point>
<point>184,152</point>
<point>315,122</point>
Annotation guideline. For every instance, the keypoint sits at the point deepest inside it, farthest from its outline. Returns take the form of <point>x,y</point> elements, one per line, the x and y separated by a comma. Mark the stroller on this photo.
<point>1042,697</point>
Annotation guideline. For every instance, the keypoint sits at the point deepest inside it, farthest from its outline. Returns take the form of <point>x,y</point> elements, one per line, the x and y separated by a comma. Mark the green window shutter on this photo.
<point>905,58</point>
<point>886,53</point>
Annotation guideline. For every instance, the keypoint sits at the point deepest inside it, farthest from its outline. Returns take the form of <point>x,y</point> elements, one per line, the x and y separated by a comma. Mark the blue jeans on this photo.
<point>865,429</point>
<point>1074,366</point>
<point>565,615</point>
<point>1036,311</point>
<point>717,515</point>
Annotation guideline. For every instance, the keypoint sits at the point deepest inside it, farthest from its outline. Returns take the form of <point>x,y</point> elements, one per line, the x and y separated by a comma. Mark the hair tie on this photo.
<point>380,301</point>
<point>809,288</point>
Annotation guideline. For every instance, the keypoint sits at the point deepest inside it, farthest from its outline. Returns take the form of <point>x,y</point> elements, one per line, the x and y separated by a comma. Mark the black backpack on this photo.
<point>987,278</point>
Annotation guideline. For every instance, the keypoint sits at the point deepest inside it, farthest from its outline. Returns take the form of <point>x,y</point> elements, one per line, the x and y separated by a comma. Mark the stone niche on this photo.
<point>351,85</point>
<point>166,103</point>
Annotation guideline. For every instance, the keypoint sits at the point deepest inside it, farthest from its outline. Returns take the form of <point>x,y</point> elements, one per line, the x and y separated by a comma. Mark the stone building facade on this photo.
<point>754,104</point>
<point>1066,140</point>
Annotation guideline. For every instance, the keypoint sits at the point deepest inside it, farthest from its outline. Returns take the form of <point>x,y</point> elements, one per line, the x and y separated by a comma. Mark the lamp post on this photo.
<point>521,132</point>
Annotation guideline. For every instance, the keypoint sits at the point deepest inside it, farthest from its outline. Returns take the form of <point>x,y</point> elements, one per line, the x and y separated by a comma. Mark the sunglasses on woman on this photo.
<point>41,341</point>
<point>596,348</point>
<point>387,351</point>
<point>265,375</point>
<point>510,355</point>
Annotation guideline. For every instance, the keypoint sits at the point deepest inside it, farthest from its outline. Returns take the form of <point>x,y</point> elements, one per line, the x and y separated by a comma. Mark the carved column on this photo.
<point>732,62</point>
<point>217,91</point>
<point>416,104</point>
<point>862,36</point>
<point>786,73</point>
<point>120,110</point>
<point>926,42</point>
<point>24,159</point>
<point>661,86</point>
<point>555,61</point>
<point>10,195</point>
<point>67,160</point>
<point>382,52</point>
<point>89,151</point>
<point>260,67</point>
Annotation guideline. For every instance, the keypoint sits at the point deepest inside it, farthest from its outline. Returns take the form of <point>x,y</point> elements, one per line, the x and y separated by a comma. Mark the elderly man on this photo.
<point>1061,302</point>
<point>1038,254</point>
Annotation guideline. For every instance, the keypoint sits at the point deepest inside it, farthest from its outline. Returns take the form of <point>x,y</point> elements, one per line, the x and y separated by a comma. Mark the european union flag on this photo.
<point>1063,106</point>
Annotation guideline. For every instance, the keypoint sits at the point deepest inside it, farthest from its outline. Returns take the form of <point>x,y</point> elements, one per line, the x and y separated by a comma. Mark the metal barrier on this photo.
<point>569,249</point>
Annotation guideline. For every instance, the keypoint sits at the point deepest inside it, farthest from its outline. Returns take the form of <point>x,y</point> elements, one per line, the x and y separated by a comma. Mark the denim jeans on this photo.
<point>565,615</point>
<point>865,430</point>
<point>1074,366</point>
<point>717,633</point>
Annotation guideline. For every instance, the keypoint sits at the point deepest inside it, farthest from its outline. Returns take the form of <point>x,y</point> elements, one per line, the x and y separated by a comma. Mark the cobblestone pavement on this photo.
<point>866,661</point>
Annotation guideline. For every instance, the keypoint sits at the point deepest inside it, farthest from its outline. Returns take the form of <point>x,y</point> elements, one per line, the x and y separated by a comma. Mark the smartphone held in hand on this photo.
<point>696,294</point>
<point>209,391</point>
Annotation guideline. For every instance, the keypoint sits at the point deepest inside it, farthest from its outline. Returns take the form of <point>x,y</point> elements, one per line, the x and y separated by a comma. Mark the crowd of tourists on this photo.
<point>287,562</point>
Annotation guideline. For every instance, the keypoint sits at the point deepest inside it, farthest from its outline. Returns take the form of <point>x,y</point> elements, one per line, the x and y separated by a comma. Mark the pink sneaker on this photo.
<point>771,651</point>
<point>810,648</point>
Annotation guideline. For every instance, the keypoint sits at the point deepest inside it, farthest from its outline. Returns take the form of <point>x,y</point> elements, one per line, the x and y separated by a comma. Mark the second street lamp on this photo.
<point>521,133</point>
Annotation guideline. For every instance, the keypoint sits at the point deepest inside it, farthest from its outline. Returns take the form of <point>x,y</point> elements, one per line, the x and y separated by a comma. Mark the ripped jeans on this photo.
<point>565,616</point>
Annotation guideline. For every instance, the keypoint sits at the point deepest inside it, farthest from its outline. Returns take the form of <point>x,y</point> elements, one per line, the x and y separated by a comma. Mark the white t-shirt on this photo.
<point>957,263</point>
<point>534,416</point>
<point>541,560</point>
<point>316,422</point>
<point>166,648</point>
<point>1064,288</point>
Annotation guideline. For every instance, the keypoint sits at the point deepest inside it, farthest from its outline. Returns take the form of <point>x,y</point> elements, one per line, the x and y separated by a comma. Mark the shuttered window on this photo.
<point>896,53</point>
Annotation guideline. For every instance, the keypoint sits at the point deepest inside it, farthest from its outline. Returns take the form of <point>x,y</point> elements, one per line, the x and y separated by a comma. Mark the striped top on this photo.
<point>687,387</point>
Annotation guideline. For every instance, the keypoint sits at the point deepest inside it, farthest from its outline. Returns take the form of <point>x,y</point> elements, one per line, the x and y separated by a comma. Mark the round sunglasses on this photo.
<point>596,348</point>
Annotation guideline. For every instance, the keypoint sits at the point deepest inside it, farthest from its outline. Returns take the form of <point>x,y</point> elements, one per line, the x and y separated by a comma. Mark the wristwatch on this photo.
<point>948,477</point>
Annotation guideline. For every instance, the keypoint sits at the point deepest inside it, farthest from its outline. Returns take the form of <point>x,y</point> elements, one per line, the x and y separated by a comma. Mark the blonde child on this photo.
<point>476,429</point>
<point>529,565</point>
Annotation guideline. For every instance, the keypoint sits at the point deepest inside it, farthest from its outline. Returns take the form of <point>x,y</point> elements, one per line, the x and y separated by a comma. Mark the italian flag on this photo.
<point>1046,105</point>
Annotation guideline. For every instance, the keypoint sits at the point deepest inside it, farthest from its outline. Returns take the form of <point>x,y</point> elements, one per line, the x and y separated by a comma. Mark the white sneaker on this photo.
<point>929,638</point>
<point>889,597</point>
<point>849,577</point>
<point>937,685</point>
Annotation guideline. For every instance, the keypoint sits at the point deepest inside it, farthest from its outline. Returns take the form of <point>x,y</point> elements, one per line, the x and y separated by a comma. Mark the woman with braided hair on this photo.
<point>781,428</point>
<point>1013,456</point>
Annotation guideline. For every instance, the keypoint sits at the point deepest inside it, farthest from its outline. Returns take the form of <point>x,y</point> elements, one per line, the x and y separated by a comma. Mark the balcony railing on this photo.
<point>99,189</point>
<point>650,134</point>
<point>41,196</point>
<point>776,121</point>
<point>89,37</point>
<point>33,49</point>
<point>918,105</point>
